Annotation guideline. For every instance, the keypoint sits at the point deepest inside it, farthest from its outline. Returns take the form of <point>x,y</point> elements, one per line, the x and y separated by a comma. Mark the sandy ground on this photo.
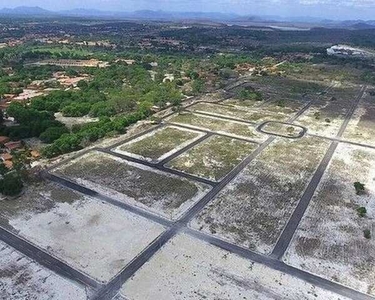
<point>215,124</point>
<point>23,279</point>
<point>330,241</point>
<point>93,237</point>
<point>326,115</point>
<point>161,193</point>
<point>253,209</point>
<point>186,268</point>
<point>324,118</point>
<point>71,121</point>
<point>361,128</point>
<point>254,114</point>
<point>213,158</point>
<point>159,144</point>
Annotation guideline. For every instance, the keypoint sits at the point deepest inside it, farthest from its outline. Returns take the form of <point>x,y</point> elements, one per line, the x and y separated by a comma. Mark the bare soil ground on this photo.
<point>330,241</point>
<point>213,158</point>
<point>256,115</point>
<point>186,268</point>
<point>21,278</point>
<point>361,128</point>
<point>253,209</point>
<point>326,116</point>
<point>164,194</point>
<point>159,144</point>
<point>94,237</point>
<point>232,128</point>
<point>71,121</point>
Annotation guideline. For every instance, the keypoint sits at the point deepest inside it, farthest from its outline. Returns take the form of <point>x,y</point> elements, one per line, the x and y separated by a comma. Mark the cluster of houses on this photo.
<point>8,148</point>
<point>42,87</point>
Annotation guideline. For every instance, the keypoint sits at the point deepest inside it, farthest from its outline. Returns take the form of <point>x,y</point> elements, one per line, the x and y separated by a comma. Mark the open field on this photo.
<point>330,241</point>
<point>255,115</point>
<point>361,128</point>
<point>159,144</point>
<point>162,193</point>
<point>279,91</point>
<point>21,278</point>
<point>326,116</point>
<point>253,209</point>
<point>201,271</point>
<point>79,51</point>
<point>232,128</point>
<point>213,158</point>
<point>94,237</point>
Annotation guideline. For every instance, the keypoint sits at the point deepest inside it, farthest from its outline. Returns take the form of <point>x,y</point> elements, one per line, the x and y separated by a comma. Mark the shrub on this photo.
<point>359,188</point>
<point>367,234</point>
<point>246,94</point>
<point>362,211</point>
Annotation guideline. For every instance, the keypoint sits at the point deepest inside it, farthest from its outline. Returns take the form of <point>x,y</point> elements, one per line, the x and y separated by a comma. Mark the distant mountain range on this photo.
<point>26,11</point>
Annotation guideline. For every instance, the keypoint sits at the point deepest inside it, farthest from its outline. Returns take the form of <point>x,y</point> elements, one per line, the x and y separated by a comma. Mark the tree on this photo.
<point>3,169</point>
<point>76,110</point>
<point>102,109</point>
<point>53,133</point>
<point>197,86</point>
<point>11,184</point>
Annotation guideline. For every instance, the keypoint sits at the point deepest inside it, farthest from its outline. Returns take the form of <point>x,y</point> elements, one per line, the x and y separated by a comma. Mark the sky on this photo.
<point>332,9</point>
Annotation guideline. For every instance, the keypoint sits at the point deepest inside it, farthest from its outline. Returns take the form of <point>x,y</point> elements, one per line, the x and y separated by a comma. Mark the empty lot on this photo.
<point>164,194</point>
<point>253,209</point>
<point>94,237</point>
<point>213,158</point>
<point>330,241</point>
<point>186,268</point>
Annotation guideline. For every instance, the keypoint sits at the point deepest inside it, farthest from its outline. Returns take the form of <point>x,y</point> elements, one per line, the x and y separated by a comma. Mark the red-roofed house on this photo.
<point>6,156</point>
<point>4,140</point>
<point>12,146</point>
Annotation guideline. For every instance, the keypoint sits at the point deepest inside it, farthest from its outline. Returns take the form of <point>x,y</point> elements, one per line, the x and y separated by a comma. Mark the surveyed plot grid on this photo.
<point>173,227</point>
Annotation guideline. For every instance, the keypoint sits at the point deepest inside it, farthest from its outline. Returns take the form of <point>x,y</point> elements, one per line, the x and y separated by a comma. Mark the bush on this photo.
<point>246,94</point>
<point>359,188</point>
<point>11,184</point>
<point>362,211</point>
<point>367,234</point>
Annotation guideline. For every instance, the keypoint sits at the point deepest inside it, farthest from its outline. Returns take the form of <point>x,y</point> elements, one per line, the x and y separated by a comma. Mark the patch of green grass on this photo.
<point>62,50</point>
